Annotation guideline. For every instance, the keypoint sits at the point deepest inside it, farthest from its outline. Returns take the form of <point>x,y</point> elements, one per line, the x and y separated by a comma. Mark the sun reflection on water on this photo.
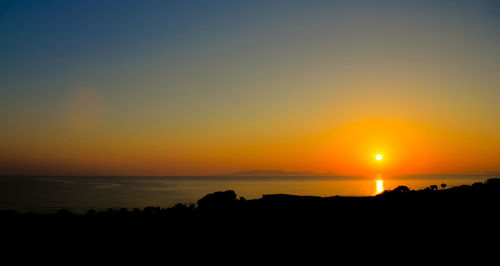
<point>379,186</point>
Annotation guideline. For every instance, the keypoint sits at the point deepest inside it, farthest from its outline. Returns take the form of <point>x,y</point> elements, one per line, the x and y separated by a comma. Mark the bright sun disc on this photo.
<point>379,157</point>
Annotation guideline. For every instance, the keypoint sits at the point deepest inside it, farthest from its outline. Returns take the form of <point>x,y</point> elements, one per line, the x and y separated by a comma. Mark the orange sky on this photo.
<point>309,87</point>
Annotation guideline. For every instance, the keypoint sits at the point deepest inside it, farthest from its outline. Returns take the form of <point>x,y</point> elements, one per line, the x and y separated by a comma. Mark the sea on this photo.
<point>48,194</point>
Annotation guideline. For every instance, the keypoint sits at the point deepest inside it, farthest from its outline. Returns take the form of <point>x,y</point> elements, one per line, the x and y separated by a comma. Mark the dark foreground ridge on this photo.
<point>456,213</point>
<point>460,200</point>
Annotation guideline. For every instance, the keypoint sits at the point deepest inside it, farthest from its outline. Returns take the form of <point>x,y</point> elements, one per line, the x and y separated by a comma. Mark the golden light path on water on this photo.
<point>379,186</point>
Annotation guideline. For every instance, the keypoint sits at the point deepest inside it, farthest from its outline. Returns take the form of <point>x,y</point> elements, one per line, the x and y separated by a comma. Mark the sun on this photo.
<point>379,157</point>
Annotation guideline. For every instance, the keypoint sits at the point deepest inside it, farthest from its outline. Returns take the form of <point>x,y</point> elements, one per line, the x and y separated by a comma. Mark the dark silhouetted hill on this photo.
<point>402,217</point>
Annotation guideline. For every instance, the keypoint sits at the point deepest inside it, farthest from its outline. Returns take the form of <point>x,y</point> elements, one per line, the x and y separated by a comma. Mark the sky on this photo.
<point>207,87</point>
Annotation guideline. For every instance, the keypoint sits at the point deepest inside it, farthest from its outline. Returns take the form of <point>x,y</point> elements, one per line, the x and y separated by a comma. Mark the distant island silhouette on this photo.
<point>273,173</point>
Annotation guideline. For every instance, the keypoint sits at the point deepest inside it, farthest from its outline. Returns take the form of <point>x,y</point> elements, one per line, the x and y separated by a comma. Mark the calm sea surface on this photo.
<point>79,194</point>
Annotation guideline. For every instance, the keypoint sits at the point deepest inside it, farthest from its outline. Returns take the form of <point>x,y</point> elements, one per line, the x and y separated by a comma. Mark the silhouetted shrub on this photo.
<point>150,210</point>
<point>124,211</point>
<point>493,182</point>
<point>218,201</point>
<point>8,213</point>
<point>64,212</point>
<point>109,212</point>
<point>401,190</point>
<point>180,206</point>
<point>477,185</point>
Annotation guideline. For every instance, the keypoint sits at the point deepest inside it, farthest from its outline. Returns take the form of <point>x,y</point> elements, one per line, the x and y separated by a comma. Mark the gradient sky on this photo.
<point>207,87</point>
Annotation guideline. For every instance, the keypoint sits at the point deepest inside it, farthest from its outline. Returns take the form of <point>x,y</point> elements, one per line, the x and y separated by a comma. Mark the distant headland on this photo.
<point>272,173</point>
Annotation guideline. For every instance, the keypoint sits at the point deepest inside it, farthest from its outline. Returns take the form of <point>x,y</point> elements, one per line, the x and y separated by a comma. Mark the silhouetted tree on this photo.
<point>151,210</point>
<point>402,190</point>
<point>477,186</point>
<point>9,213</point>
<point>493,182</point>
<point>443,186</point>
<point>64,212</point>
<point>434,187</point>
<point>109,212</point>
<point>124,211</point>
<point>218,201</point>
<point>180,206</point>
